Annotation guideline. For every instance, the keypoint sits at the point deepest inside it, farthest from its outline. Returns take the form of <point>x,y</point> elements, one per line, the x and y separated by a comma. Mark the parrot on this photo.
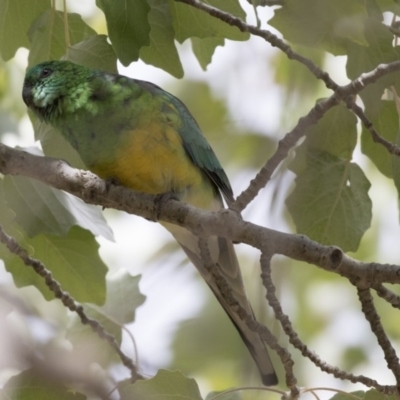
<point>144,138</point>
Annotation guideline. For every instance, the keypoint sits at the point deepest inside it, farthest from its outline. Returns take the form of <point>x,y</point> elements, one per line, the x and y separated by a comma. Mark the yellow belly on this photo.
<point>153,160</point>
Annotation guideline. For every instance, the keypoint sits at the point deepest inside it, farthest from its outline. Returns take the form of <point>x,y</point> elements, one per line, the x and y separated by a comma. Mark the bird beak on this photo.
<point>27,93</point>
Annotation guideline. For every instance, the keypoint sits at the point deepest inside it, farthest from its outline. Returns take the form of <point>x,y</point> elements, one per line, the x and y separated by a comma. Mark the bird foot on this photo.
<point>110,182</point>
<point>161,199</point>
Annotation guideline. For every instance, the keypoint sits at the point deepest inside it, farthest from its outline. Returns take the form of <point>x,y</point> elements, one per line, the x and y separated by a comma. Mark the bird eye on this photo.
<point>45,72</point>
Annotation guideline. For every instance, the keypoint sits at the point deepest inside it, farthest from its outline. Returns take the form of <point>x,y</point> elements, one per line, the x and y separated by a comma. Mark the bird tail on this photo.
<point>223,254</point>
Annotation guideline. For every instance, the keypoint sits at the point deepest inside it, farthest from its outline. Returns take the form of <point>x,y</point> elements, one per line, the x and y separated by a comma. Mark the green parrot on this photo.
<point>146,139</point>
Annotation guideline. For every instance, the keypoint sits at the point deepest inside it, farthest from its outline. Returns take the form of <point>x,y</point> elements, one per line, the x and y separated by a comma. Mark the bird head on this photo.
<point>50,85</point>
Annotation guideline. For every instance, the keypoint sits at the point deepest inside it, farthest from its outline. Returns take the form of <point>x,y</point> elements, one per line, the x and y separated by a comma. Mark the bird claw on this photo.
<point>110,182</point>
<point>161,199</point>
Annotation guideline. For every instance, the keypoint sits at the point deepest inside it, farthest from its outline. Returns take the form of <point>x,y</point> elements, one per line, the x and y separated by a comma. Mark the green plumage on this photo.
<point>146,138</point>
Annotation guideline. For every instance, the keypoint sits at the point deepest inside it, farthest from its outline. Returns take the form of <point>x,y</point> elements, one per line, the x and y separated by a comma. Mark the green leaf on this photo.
<point>236,395</point>
<point>123,298</point>
<point>389,5</point>
<point>343,396</point>
<point>40,208</point>
<point>326,24</point>
<point>386,122</point>
<point>360,59</point>
<point>73,261</point>
<point>15,18</point>
<point>369,395</point>
<point>31,384</point>
<point>166,384</point>
<point>162,51</point>
<point>47,35</point>
<point>54,145</point>
<point>204,49</point>
<point>94,52</point>
<point>190,22</point>
<point>335,133</point>
<point>128,26</point>
<point>330,202</point>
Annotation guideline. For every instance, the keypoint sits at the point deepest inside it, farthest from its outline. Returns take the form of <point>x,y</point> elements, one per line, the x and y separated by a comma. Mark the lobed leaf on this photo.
<point>73,261</point>
<point>128,26</point>
<point>330,202</point>
<point>161,51</point>
<point>47,35</point>
<point>15,20</point>
<point>33,384</point>
<point>122,300</point>
<point>204,49</point>
<point>171,385</point>
<point>326,24</point>
<point>94,52</point>
<point>40,208</point>
<point>190,22</point>
<point>386,122</point>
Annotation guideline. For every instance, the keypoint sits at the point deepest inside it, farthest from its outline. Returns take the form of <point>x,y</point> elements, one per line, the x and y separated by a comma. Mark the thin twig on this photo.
<point>266,35</point>
<point>376,137</point>
<point>284,146</point>
<point>287,362</point>
<point>66,299</point>
<point>392,298</point>
<point>296,341</point>
<point>371,315</point>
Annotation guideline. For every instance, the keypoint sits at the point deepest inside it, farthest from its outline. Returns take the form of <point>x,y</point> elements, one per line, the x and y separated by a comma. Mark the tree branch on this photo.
<point>302,347</point>
<point>368,308</point>
<point>226,223</point>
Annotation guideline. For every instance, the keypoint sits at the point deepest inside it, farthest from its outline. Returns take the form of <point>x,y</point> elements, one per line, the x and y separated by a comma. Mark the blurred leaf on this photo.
<point>31,384</point>
<point>360,59</point>
<point>7,122</point>
<point>251,149</point>
<point>342,396</point>
<point>166,384</point>
<point>290,76</point>
<point>47,35</point>
<point>15,18</point>
<point>73,261</point>
<point>94,52</point>
<point>190,22</point>
<point>210,112</point>
<point>369,395</point>
<point>325,24</point>
<point>123,297</point>
<point>209,345</point>
<point>39,208</point>
<point>330,202</point>
<point>128,26</point>
<point>354,356</point>
<point>54,145</point>
<point>7,221</point>
<point>386,122</point>
<point>162,51</point>
<point>204,49</point>
<point>228,396</point>
<point>389,5</point>
<point>122,300</point>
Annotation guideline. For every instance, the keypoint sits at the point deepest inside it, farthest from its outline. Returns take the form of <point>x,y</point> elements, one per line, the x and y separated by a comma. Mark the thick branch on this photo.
<point>225,223</point>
